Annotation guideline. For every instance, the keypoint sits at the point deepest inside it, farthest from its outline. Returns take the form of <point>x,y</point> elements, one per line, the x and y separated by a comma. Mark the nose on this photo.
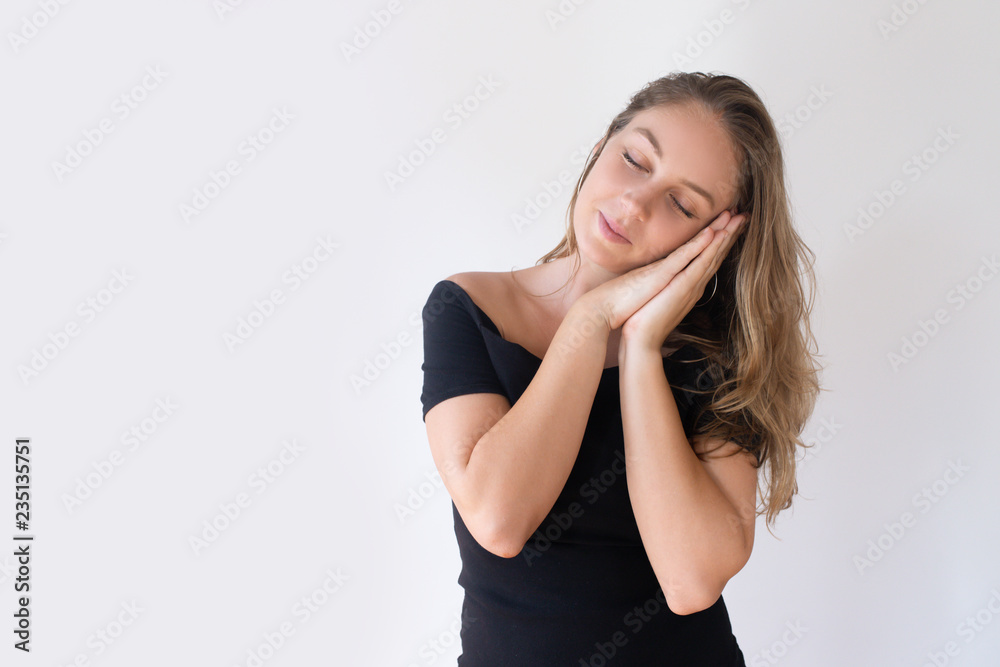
<point>636,202</point>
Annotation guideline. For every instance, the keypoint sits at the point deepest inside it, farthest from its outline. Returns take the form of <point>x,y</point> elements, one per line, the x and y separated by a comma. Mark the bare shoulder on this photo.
<point>489,290</point>
<point>479,281</point>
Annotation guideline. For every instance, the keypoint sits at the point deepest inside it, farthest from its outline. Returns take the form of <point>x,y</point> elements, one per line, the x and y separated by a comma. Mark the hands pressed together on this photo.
<point>650,301</point>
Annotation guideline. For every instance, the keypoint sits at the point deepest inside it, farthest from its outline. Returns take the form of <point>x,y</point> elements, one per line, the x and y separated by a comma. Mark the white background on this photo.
<point>334,507</point>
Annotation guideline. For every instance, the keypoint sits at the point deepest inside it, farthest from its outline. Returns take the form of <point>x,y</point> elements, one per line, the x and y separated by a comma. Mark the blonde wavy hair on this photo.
<point>754,331</point>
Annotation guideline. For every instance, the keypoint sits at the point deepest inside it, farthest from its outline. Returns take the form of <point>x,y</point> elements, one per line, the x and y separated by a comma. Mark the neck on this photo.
<point>565,280</point>
<point>561,286</point>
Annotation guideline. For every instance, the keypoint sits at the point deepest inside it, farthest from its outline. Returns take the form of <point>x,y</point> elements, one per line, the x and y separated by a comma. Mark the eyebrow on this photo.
<point>656,149</point>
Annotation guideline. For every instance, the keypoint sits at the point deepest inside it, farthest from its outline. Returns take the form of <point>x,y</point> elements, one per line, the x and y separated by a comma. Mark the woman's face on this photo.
<point>684,175</point>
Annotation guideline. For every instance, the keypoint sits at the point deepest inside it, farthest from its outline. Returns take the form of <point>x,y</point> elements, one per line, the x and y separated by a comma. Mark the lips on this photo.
<point>614,226</point>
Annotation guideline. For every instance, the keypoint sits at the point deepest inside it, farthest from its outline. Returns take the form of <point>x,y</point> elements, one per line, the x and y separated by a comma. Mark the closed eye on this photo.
<point>680,208</point>
<point>673,200</point>
<point>628,158</point>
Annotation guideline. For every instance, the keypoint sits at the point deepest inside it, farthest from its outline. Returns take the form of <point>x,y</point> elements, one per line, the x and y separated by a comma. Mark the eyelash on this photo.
<point>673,199</point>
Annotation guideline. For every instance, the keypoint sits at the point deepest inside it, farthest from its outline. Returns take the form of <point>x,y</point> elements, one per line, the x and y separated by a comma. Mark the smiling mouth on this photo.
<point>611,225</point>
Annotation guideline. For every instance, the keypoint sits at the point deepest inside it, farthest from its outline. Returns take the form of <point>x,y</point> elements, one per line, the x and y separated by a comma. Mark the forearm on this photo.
<point>690,530</point>
<point>520,466</point>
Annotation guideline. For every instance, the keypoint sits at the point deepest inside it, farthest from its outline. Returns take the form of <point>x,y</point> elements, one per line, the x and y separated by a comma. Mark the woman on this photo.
<point>599,419</point>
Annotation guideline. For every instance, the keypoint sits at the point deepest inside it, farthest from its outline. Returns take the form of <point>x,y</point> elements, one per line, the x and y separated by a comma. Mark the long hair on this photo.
<point>754,331</point>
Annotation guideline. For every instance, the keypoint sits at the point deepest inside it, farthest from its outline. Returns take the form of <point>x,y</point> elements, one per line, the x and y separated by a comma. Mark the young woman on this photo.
<point>599,419</point>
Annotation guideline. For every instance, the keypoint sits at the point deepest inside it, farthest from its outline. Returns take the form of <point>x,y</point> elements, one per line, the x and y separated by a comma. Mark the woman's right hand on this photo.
<point>617,299</point>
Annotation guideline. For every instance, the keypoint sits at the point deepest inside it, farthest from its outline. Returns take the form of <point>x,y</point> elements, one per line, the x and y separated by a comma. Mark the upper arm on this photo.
<point>729,465</point>
<point>454,427</point>
<point>463,397</point>
<point>733,470</point>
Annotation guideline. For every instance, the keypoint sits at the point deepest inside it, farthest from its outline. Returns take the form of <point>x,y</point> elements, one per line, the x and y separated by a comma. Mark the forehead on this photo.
<point>693,145</point>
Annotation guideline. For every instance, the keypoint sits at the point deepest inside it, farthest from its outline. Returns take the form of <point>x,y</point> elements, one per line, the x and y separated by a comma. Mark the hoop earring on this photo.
<point>715,284</point>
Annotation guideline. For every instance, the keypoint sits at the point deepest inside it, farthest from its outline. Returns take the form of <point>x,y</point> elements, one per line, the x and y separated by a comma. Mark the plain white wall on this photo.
<point>859,88</point>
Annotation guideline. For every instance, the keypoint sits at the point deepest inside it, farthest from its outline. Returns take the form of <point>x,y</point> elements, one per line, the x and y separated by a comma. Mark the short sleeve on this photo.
<point>694,386</point>
<point>456,360</point>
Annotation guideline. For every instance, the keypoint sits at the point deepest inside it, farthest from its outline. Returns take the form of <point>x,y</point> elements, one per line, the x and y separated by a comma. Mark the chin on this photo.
<point>593,252</point>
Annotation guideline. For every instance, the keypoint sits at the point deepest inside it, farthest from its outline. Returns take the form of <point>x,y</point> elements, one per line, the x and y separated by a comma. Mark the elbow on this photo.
<point>497,539</point>
<point>692,602</point>
<point>501,545</point>
<point>492,530</point>
<point>691,597</point>
<point>489,530</point>
<point>699,590</point>
<point>504,549</point>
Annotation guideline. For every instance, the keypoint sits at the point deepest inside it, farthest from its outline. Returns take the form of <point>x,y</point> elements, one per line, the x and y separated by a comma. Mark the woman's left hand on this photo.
<point>650,325</point>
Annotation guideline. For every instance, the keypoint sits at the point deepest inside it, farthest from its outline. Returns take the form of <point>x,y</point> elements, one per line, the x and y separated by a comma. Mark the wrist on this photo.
<point>589,320</point>
<point>583,330</point>
<point>636,348</point>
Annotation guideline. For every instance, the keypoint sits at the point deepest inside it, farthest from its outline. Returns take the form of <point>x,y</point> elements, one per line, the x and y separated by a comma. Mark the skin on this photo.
<point>696,517</point>
<point>504,466</point>
<point>642,200</point>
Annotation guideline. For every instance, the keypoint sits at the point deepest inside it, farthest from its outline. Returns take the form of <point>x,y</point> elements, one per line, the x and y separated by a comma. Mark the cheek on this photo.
<point>593,190</point>
<point>672,238</point>
<point>603,175</point>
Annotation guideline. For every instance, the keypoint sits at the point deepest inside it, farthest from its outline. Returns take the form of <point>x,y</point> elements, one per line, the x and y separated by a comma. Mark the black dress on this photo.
<point>582,591</point>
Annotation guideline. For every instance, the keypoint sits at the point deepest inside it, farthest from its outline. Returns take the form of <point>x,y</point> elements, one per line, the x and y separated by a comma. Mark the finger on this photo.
<point>721,221</point>
<point>683,254</point>
<point>719,251</point>
<point>707,263</point>
<point>642,283</point>
<point>733,231</point>
<point>693,277</point>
